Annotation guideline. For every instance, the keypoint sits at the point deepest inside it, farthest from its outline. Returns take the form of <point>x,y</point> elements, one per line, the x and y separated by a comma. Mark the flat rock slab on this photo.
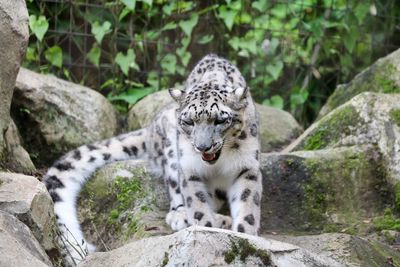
<point>348,250</point>
<point>200,246</point>
<point>27,198</point>
<point>18,247</point>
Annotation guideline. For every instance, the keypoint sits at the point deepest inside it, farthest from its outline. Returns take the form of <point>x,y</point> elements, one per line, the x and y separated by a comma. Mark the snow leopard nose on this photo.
<point>203,147</point>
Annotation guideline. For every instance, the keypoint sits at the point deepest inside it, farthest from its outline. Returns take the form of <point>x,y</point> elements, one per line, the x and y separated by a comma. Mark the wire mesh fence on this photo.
<point>292,53</point>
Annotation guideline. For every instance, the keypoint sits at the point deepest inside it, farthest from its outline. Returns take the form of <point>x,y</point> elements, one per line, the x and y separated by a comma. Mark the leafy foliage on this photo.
<point>292,53</point>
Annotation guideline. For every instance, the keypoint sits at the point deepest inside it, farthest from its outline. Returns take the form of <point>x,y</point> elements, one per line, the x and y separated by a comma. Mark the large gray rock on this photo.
<point>143,112</point>
<point>383,77</point>
<point>368,118</point>
<point>121,202</point>
<point>14,38</point>
<point>18,247</point>
<point>346,249</point>
<point>277,127</point>
<point>27,199</point>
<point>200,246</point>
<point>16,159</point>
<point>60,115</point>
<point>329,190</point>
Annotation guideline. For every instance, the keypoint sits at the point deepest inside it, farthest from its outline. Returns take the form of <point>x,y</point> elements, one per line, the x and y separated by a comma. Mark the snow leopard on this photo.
<point>205,145</point>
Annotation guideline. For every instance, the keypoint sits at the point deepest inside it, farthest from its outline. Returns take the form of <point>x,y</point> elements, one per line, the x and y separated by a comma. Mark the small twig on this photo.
<point>315,54</point>
<point>99,236</point>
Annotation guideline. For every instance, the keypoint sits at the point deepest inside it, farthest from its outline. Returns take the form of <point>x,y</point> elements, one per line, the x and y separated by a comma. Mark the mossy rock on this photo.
<point>346,249</point>
<point>205,246</point>
<point>121,202</point>
<point>368,118</point>
<point>383,77</point>
<point>60,115</point>
<point>324,190</point>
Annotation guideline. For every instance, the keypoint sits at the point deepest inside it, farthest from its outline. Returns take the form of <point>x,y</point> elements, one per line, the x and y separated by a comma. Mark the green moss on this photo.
<point>385,82</point>
<point>332,228</point>
<point>242,249</point>
<point>344,186</point>
<point>378,78</point>
<point>330,129</point>
<point>388,237</point>
<point>397,196</point>
<point>315,202</point>
<point>387,222</point>
<point>395,116</point>
<point>116,208</point>
<point>373,253</point>
<point>165,260</point>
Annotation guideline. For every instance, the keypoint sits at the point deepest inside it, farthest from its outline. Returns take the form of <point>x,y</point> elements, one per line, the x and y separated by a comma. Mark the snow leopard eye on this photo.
<point>220,121</point>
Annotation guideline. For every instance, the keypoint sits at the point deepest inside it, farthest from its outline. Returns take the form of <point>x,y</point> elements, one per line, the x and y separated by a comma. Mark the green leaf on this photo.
<point>94,55</point>
<point>38,26</point>
<point>260,5</point>
<point>188,25</point>
<point>205,39</point>
<point>361,11</point>
<point>237,5</point>
<point>185,58</point>
<point>100,30</point>
<point>169,26</point>
<point>275,101</point>
<point>130,4</point>
<point>245,18</point>
<point>31,54</point>
<point>298,97</point>
<point>280,10</point>
<point>152,79</point>
<point>148,2</point>
<point>167,9</point>
<point>54,56</point>
<point>234,42</point>
<point>132,95</point>
<point>168,63</point>
<point>275,69</point>
<point>125,62</point>
<point>244,53</point>
<point>350,39</point>
<point>228,16</point>
<point>124,13</point>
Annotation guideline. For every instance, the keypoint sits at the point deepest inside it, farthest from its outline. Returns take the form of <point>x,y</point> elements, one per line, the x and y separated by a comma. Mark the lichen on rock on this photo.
<point>122,202</point>
<point>382,77</point>
<point>323,190</point>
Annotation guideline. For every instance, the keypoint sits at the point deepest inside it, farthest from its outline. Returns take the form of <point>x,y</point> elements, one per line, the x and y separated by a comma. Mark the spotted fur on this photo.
<point>206,146</point>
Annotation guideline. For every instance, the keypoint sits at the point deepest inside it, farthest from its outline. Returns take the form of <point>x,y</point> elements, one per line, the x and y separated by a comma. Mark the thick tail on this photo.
<point>67,176</point>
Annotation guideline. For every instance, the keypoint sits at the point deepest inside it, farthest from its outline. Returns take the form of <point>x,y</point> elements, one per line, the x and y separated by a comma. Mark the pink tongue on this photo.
<point>208,157</point>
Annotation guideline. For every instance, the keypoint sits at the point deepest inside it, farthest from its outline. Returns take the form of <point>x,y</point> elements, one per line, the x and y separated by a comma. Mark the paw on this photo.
<point>177,219</point>
<point>223,221</point>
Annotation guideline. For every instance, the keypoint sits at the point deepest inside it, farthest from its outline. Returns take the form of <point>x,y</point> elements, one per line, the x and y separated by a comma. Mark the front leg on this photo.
<point>244,198</point>
<point>198,202</point>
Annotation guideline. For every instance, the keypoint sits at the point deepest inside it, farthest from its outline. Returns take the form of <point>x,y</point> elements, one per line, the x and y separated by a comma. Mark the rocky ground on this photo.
<point>331,193</point>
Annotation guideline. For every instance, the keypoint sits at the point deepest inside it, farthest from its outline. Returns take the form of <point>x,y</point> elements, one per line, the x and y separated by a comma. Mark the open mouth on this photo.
<point>211,158</point>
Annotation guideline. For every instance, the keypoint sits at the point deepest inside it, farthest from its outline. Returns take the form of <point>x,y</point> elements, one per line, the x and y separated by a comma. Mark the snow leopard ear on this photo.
<point>176,94</point>
<point>241,92</point>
